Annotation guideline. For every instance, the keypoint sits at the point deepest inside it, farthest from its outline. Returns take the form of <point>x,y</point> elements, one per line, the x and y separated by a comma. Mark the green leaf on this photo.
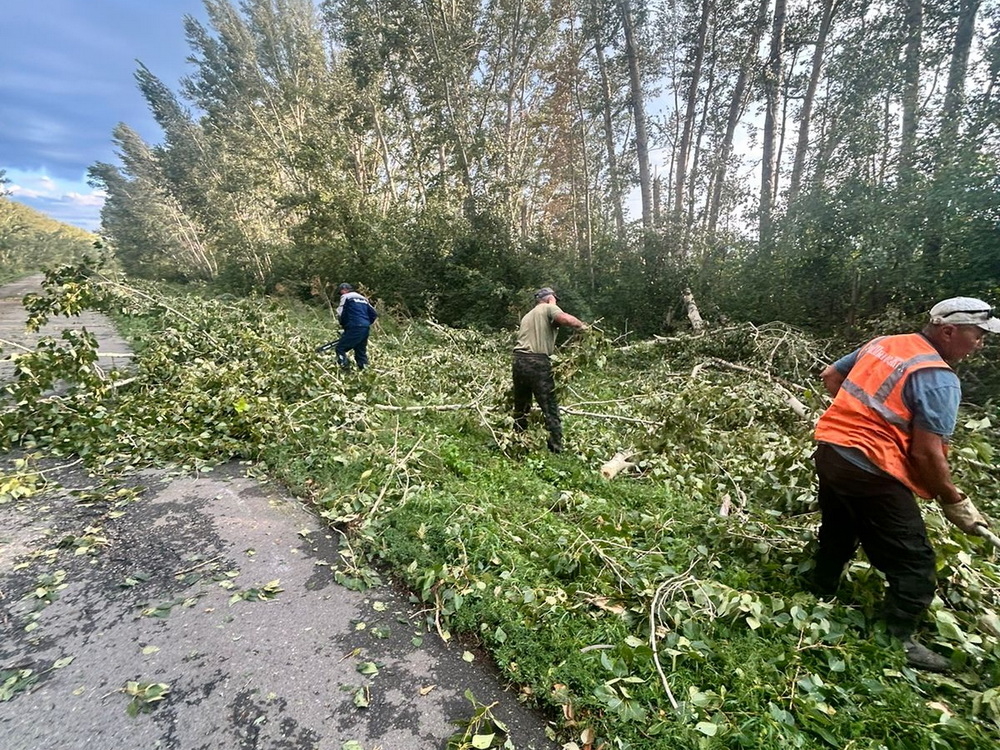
<point>707,728</point>
<point>483,741</point>
<point>361,698</point>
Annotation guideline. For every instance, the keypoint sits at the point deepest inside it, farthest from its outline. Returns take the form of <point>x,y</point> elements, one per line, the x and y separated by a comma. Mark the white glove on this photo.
<point>965,516</point>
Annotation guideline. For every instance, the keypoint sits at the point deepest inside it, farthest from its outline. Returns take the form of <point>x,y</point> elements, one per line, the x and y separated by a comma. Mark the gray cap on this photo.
<point>345,288</point>
<point>544,292</point>
<point>965,311</point>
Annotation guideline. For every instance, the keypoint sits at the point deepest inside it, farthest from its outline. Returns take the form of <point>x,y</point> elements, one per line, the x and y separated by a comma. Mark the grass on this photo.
<point>630,609</point>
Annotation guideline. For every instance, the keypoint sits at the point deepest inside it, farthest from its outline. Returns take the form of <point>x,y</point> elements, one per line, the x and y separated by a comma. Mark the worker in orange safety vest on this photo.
<point>884,438</point>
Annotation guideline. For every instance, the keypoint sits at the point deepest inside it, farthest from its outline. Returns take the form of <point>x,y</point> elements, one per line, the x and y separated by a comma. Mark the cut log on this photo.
<point>616,464</point>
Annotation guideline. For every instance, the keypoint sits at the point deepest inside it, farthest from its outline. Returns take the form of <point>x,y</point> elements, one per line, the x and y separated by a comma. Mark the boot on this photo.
<point>919,656</point>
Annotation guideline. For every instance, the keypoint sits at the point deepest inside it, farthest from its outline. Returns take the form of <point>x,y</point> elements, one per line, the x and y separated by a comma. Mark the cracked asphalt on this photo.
<point>221,587</point>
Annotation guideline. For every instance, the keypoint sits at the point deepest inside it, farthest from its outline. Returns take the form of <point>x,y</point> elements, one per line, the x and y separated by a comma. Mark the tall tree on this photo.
<point>151,232</point>
<point>737,102</point>
<point>773,71</point>
<point>829,10</point>
<point>949,147</point>
<point>638,105</point>
<point>954,96</point>
<point>596,22</point>
<point>682,155</point>
<point>913,25</point>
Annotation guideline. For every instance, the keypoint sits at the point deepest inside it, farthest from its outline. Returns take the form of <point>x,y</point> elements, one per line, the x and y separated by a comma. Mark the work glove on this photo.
<point>965,516</point>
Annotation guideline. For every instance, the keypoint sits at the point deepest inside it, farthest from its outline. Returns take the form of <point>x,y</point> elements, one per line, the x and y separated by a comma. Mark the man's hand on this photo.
<point>965,516</point>
<point>832,379</point>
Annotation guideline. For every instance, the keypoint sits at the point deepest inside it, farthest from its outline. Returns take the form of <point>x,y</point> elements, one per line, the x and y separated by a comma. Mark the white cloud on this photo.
<point>69,201</point>
<point>93,198</point>
<point>19,191</point>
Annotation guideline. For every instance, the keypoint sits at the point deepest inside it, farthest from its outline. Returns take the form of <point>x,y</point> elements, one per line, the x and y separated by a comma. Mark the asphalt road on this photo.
<point>175,585</point>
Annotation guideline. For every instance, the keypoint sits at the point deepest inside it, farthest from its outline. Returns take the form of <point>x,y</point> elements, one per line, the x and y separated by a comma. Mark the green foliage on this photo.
<point>481,731</point>
<point>19,680</point>
<point>23,482</point>
<point>14,681</point>
<point>849,252</point>
<point>257,593</point>
<point>145,696</point>
<point>663,608</point>
<point>31,241</point>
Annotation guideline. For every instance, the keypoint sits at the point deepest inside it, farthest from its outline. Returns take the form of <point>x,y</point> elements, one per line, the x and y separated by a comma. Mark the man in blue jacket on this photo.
<point>356,315</point>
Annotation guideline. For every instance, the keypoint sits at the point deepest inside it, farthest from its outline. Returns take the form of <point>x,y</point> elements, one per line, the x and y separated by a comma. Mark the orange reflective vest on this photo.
<point>868,412</point>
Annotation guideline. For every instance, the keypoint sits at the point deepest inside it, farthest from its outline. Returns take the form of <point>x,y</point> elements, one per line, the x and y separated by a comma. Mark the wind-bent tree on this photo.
<point>151,232</point>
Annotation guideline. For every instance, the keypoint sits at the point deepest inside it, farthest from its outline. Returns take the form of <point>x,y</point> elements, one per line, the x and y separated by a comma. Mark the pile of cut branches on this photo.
<point>662,608</point>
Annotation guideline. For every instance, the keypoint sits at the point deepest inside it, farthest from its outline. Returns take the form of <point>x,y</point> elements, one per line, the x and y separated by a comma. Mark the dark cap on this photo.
<point>345,288</point>
<point>544,292</point>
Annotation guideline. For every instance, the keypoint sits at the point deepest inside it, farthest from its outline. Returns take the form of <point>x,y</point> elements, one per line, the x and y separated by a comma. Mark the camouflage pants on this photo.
<point>533,378</point>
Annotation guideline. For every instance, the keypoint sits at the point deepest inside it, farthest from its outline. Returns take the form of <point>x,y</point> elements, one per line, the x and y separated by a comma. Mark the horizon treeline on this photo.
<point>815,161</point>
<point>31,240</point>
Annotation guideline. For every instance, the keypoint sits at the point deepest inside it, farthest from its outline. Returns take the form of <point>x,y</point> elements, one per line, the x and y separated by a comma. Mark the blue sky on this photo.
<point>66,80</point>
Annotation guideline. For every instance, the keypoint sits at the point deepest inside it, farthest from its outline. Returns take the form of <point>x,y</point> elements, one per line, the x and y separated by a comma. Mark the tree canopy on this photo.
<point>822,159</point>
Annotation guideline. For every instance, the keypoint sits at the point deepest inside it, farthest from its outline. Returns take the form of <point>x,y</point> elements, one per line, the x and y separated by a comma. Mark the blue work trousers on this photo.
<point>354,338</point>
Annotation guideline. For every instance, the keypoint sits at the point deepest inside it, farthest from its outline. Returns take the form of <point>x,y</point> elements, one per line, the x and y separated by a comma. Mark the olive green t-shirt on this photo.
<point>537,333</point>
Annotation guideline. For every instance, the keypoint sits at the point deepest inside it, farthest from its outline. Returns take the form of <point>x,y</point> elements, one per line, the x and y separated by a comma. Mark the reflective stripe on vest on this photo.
<point>877,403</point>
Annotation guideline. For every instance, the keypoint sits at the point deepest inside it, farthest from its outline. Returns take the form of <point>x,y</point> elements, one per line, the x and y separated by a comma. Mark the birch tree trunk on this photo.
<point>683,149</point>
<point>638,113</point>
<point>736,104</point>
<point>773,72</point>
<point>805,118</point>
<point>911,87</point>
<point>614,173</point>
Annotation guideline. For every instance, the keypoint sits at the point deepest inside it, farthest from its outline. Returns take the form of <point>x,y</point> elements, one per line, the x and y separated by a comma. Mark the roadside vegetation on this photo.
<point>660,608</point>
<point>31,241</point>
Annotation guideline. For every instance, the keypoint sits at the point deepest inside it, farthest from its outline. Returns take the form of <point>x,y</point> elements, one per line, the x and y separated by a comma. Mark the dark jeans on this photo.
<point>354,338</point>
<point>882,514</point>
<point>533,378</point>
